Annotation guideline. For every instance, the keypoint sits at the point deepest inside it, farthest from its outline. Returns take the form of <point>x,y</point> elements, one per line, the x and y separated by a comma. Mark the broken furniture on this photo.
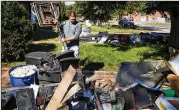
<point>154,81</point>
<point>47,12</point>
<point>133,74</point>
<point>126,80</point>
<point>129,71</point>
<point>151,81</point>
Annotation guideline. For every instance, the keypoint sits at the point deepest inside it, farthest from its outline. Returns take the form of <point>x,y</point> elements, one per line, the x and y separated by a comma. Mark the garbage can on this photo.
<point>22,81</point>
<point>47,78</point>
<point>66,54</point>
<point>49,72</point>
<point>34,58</point>
<point>66,62</point>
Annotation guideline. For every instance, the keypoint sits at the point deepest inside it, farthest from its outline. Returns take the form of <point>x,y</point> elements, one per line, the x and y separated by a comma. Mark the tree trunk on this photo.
<point>173,40</point>
<point>60,12</point>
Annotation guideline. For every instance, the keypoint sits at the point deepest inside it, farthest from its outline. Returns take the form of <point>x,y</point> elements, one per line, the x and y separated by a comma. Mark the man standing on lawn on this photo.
<point>71,30</point>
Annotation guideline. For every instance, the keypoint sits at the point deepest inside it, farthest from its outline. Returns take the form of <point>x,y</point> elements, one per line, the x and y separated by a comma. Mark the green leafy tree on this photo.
<point>76,8</point>
<point>135,7</point>
<point>97,11</point>
<point>15,30</point>
<point>62,11</point>
<point>69,8</point>
<point>104,11</point>
<point>119,12</point>
<point>172,7</point>
<point>129,7</point>
<point>151,7</point>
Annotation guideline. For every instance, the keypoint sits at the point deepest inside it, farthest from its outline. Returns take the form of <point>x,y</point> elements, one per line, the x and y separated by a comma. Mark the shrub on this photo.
<point>15,29</point>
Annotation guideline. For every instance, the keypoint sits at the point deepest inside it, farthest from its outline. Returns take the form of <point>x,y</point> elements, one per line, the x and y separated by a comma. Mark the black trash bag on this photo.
<point>82,102</point>
<point>49,65</point>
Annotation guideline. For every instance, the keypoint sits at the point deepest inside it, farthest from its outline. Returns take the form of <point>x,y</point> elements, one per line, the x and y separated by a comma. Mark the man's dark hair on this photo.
<point>72,13</point>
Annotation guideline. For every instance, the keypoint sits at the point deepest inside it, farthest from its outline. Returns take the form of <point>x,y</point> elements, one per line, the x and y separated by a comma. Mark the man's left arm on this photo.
<point>77,34</point>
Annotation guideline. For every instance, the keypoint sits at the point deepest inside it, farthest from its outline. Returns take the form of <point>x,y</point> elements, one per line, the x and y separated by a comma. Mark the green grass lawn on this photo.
<point>106,54</point>
<point>115,30</point>
<point>110,56</point>
<point>113,56</point>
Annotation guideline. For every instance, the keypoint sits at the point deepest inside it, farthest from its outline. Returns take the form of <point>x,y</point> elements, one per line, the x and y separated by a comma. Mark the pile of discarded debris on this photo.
<point>117,39</point>
<point>73,92</point>
<point>59,84</point>
<point>50,81</point>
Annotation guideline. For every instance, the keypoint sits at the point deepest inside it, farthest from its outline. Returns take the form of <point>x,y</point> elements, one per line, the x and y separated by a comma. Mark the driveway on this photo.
<point>153,28</point>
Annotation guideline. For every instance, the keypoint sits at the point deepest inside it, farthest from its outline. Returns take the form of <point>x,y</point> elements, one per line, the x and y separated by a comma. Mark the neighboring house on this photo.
<point>157,17</point>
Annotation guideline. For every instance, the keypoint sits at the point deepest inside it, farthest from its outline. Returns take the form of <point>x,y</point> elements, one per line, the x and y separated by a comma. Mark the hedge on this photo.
<point>16,30</point>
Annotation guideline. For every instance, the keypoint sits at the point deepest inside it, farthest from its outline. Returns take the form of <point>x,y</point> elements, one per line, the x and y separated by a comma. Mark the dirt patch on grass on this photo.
<point>5,81</point>
<point>43,41</point>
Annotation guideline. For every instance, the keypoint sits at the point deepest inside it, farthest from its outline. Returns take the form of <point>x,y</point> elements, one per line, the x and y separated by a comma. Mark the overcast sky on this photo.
<point>69,3</point>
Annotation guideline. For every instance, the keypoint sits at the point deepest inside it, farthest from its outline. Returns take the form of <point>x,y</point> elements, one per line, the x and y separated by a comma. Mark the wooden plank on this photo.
<point>64,108</point>
<point>71,92</point>
<point>54,103</point>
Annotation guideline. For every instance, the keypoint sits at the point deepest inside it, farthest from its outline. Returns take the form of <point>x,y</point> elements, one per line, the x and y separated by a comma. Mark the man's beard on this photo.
<point>73,21</point>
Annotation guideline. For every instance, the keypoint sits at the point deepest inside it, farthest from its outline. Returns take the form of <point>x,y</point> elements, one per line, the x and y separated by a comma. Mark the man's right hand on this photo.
<point>57,27</point>
<point>55,22</point>
<point>59,40</point>
<point>63,40</point>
